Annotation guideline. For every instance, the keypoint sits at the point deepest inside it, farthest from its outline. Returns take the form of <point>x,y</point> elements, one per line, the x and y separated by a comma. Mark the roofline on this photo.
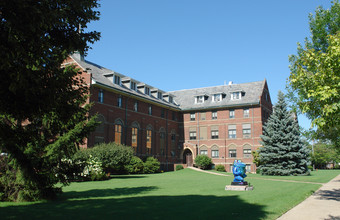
<point>156,102</point>
<point>221,106</point>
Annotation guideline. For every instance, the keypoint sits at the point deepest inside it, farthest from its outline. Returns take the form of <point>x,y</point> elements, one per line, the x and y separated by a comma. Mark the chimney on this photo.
<point>78,55</point>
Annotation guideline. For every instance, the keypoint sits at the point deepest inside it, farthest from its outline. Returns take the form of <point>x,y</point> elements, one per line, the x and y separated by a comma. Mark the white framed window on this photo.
<point>232,131</point>
<point>171,99</point>
<point>217,97</point>
<point>246,130</point>
<point>119,102</point>
<point>246,113</point>
<point>232,153</point>
<point>199,99</point>
<point>247,153</point>
<point>214,115</point>
<point>203,152</point>
<point>214,132</point>
<point>232,113</point>
<point>117,80</point>
<point>215,154</point>
<point>133,85</point>
<point>236,95</point>
<point>135,107</point>
<point>147,90</point>
<point>159,95</point>
<point>192,135</point>
<point>101,96</point>
<point>192,116</point>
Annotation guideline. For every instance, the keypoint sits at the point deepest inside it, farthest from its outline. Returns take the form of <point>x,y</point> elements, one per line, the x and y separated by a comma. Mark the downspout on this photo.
<point>166,140</point>
<point>198,129</point>
<point>125,121</point>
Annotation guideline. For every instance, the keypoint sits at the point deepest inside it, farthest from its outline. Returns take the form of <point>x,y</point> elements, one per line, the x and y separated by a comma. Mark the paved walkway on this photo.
<point>323,204</point>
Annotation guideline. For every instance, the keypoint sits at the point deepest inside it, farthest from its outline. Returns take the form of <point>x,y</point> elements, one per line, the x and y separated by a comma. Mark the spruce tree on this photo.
<point>283,152</point>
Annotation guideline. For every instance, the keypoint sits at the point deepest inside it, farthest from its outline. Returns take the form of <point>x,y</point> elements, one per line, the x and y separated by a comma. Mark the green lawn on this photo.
<point>185,194</point>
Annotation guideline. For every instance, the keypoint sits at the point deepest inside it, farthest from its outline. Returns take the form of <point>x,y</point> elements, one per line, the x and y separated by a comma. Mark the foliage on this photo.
<point>323,154</point>
<point>43,111</point>
<point>136,165</point>
<point>220,168</point>
<point>315,74</point>
<point>93,169</point>
<point>114,157</point>
<point>151,165</point>
<point>203,161</point>
<point>256,158</point>
<point>179,167</point>
<point>283,151</point>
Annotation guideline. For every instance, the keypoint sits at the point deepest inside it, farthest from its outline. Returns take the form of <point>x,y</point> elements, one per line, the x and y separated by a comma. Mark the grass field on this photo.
<point>185,194</point>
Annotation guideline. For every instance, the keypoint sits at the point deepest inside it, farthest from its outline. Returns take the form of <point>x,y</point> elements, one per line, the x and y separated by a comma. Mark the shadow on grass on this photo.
<point>126,177</point>
<point>136,207</point>
<point>95,193</point>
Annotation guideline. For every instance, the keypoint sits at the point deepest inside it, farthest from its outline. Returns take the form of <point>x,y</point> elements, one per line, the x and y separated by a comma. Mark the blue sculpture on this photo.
<point>239,171</point>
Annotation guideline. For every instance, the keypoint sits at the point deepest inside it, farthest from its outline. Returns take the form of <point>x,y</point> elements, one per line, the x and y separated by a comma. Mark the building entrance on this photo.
<point>187,158</point>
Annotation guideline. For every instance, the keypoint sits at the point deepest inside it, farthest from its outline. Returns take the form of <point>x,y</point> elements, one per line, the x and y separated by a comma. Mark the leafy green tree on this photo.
<point>283,152</point>
<point>323,154</point>
<point>43,110</point>
<point>314,81</point>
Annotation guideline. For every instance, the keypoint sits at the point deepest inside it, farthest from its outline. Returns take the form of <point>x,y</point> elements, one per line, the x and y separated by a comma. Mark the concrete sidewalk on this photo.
<point>323,204</point>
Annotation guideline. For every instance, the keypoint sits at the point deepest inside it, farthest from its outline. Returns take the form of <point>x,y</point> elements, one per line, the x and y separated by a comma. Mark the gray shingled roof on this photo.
<point>251,93</point>
<point>183,99</point>
<point>99,74</point>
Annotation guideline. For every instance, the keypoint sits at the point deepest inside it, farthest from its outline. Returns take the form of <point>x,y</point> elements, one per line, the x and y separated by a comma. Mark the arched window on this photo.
<point>204,150</point>
<point>247,151</point>
<point>162,140</point>
<point>148,139</point>
<point>134,136</point>
<point>100,127</point>
<point>118,131</point>
<point>232,151</point>
<point>215,153</point>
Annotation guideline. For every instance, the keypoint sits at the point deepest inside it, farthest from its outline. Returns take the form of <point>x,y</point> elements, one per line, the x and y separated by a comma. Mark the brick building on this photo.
<point>224,122</point>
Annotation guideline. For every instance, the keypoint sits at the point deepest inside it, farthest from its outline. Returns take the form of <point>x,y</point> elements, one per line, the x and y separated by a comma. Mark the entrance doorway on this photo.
<point>187,158</point>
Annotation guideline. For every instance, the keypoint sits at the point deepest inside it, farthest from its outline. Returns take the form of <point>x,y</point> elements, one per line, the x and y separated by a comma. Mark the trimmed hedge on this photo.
<point>220,168</point>
<point>179,167</point>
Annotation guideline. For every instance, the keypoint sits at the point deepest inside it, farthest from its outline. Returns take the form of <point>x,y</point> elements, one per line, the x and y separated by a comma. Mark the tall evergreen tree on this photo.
<point>43,110</point>
<point>283,152</point>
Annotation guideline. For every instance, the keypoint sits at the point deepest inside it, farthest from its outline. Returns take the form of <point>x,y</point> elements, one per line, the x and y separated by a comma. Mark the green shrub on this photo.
<point>114,157</point>
<point>179,167</point>
<point>220,168</point>
<point>151,165</point>
<point>203,161</point>
<point>136,165</point>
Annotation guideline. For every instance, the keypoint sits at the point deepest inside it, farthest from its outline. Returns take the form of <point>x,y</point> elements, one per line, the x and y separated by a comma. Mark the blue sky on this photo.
<point>183,44</point>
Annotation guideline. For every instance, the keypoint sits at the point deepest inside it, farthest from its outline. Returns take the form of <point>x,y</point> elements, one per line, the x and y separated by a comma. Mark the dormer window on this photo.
<point>199,99</point>
<point>147,91</point>
<point>236,95</point>
<point>170,99</point>
<point>133,85</point>
<point>116,80</point>
<point>159,95</point>
<point>217,97</point>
